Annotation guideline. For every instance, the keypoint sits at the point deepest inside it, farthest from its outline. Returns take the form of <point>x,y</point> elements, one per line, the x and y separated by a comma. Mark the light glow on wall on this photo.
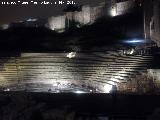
<point>32,20</point>
<point>79,92</point>
<point>111,83</point>
<point>113,12</point>
<point>5,26</point>
<point>107,88</point>
<point>132,51</point>
<point>71,55</point>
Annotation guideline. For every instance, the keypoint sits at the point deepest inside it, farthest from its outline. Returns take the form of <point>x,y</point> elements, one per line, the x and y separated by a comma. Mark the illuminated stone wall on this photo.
<point>82,17</point>
<point>152,21</point>
<point>89,15</point>
<point>78,16</point>
<point>57,23</point>
<point>86,12</point>
<point>96,13</point>
<point>155,74</point>
<point>124,7</point>
<point>155,23</point>
<point>86,16</point>
<point>109,7</point>
<point>148,13</point>
<point>118,7</point>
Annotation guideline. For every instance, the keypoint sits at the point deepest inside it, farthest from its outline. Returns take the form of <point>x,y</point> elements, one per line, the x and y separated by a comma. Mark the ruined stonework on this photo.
<point>154,74</point>
<point>155,23</point>
<point>124,7</point>
<point>148,13</point>
<point>86,12</point>
<point>82,17</point>
<point>110,7</point>
<point>152,20</point>
<point>57,23</point>
<point>89,14</point>
<point>78,17</point>
<point>97,12</point>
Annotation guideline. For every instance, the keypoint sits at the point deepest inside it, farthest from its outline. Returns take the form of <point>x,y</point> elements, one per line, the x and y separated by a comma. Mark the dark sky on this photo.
<point>9,13</point>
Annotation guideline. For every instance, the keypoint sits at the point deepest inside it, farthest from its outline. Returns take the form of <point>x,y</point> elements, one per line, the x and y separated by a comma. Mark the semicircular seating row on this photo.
<point>43,71</point>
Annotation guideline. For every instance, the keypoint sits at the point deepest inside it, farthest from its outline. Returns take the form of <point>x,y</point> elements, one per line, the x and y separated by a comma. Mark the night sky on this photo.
<point>12,13</point>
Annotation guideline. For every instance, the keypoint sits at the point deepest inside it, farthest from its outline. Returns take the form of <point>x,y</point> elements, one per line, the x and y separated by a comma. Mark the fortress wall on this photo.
<point>124,7</point>
<point>96,13</point>
<point>56,23</point>
<point>86,16</point>
<point>78,17</point>
<point>89,14</point>
<point>155,23</point>
<point>86,12</point>
<point>69,15</point>
<point>148,13</point>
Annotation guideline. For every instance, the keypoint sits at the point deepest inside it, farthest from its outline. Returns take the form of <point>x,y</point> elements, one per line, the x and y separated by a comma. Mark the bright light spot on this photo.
<point>55,84</point>
<point>57,91</point>
<point>5,26</point>
<point>71,54</point>
<point>111,83</point>
<point>79,92</point>
<point>7,89</point>
<point>116,80</point>
<point>91,90</point>
<point>107,88</point>
<point>31,20</point>
<point>113,12</point>
<point>118,77</point>
<point>132,51</point>
<point>135,41</point>
<point>52,28</point>
<point>78,26</point>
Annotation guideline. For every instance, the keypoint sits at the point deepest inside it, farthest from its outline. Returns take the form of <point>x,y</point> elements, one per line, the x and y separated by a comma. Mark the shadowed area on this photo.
<point>33,106</point>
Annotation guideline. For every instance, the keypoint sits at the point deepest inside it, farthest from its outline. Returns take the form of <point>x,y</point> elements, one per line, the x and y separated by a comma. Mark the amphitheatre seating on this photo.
<point>39,71</point>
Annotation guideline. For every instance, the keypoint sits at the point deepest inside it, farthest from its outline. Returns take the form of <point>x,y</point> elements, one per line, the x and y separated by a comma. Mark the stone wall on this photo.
<point>124,7</point>
<point>148,13</point>
<point>109,7</point>
<point>155,75</point>
<point>78,16</point>
<point>89,14</point>
<point>86,13</point>
<point>152,20</point>
<point>96,12</point>
<point>57,23</point>
<point>86,16</point>
<point>155,23</point>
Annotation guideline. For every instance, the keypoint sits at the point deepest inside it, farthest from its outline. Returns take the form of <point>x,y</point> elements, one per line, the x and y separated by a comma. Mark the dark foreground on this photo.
<point>44,106</point>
